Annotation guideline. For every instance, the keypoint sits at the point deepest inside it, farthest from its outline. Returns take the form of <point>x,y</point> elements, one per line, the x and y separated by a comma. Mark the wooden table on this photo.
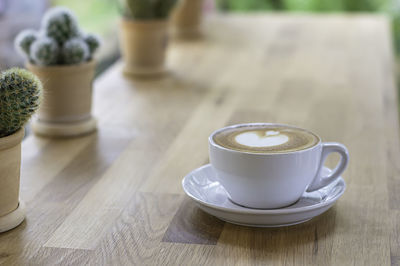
<point>115,197</point>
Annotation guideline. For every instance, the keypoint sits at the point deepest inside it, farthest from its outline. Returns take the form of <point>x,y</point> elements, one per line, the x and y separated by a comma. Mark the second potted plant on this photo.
<point>144,35</point>
<point>62,57</point>
<point>186,19</point>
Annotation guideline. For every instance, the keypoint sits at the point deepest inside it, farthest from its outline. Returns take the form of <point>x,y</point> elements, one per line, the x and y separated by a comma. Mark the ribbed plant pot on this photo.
<point>12,211</point>
<point>186,19</point>
<point>143,46</point>
<point>67,100</point>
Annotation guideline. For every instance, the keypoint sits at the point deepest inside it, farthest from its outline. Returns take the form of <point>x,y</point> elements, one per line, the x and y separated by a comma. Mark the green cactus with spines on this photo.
<point>44,51</point>
<point>60,24</point>
<point>20,97</point>
<point>59,41</point>
<point>164,7</point>
<point>138,9</point>
<point>92,42</point>
<point>24,40</point>
<point>147,10</point>
<point>75,51</point>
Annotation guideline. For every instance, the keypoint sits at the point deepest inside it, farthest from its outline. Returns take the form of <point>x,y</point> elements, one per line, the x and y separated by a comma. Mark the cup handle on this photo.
<point>327,148</point>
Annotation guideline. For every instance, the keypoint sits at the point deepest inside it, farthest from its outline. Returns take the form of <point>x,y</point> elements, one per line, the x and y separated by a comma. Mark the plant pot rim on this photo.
<point>70,68</point>
<point>143,22</point>
<point>12,140</point>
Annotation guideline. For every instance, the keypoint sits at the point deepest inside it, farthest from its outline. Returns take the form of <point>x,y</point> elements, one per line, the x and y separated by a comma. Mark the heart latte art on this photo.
<point>255,139</point>
<point>265,138</point>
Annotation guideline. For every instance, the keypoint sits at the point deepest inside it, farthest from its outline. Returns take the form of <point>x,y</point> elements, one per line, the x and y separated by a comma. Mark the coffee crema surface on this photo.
<point>265,139</point>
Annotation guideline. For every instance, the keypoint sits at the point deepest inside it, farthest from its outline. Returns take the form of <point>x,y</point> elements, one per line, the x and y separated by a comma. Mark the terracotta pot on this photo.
<point>186,18</point>
<point>143,46</point>
<point>10,164</point>
<point>67,101</point>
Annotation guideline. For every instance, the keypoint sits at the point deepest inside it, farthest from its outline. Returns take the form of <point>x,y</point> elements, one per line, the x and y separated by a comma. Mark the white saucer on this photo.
<point>211,197</point>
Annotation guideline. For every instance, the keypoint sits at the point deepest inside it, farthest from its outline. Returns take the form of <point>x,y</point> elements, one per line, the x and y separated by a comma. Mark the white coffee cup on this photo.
<point>273,180</point>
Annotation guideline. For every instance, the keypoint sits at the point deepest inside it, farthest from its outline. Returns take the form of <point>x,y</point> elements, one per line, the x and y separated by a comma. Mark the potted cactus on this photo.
<point>61,55</point>
<point>20,96</point>
<point>143,35</point>
<point>186,19</point>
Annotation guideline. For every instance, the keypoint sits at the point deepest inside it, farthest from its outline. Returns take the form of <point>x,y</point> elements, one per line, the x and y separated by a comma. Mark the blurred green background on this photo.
<point>388,7</point>
<point>100,15</point>
<point>304,5</point>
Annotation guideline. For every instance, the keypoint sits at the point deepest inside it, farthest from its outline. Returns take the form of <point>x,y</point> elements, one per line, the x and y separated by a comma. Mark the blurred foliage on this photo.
<point>303,5</point>
<point>393,8</point>
<point>98,16</point>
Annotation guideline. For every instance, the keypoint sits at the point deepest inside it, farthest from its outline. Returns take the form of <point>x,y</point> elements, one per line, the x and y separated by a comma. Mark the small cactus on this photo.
<point>20,96</point>
<point>163,8</point>
<point>44,51</point>
<point>75,51</point>
<point>93,42</point>
<point>60,40</point>
<point>60,24</point>
<point>138,9</point>
<point>145,9</point>
<point>24,40</point>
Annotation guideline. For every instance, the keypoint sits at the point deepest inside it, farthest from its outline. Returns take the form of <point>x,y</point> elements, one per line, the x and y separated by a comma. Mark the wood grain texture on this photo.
<point>115,197</point>
<point>191,225</point>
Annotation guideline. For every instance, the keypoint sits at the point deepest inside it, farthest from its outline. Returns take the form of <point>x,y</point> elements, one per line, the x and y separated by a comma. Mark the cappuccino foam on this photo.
<point>265,138</point>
